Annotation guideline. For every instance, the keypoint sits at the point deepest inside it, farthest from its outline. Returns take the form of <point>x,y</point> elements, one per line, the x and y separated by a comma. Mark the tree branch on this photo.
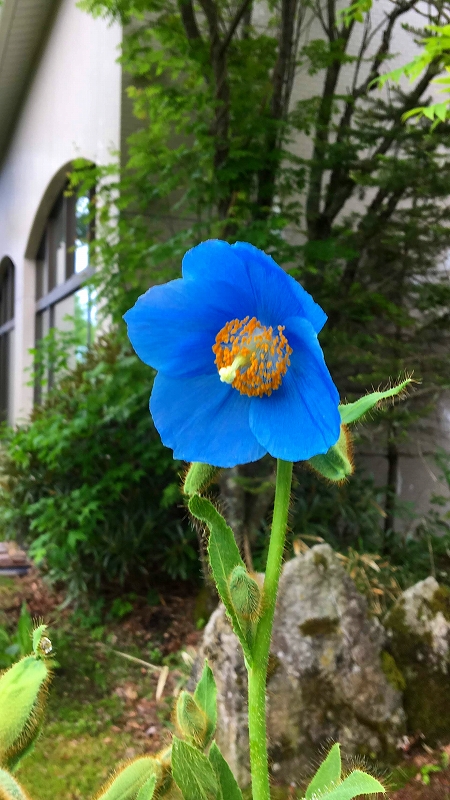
<point>324,115</point>
<point>219,65</point>
<point>341,185</point>
<point>189,21</point>
<point>234,23</point>
<point>281,87</point>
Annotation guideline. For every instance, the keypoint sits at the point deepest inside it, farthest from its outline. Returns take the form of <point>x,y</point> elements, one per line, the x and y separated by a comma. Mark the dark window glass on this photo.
<point>6,336</point>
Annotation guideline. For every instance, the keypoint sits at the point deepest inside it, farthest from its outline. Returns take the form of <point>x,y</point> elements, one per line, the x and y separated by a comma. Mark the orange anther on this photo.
<point>255,358</point>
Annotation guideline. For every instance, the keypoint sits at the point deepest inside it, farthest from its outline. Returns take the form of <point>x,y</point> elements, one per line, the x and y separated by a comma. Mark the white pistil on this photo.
<point>228,374</point>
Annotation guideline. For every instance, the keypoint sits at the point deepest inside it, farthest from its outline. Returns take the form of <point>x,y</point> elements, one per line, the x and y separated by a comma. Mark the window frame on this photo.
<point>7,308</point>
<point>46,259</point>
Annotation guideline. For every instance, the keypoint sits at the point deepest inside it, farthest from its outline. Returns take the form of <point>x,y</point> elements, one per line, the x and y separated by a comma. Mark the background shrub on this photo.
<point>88,484</point>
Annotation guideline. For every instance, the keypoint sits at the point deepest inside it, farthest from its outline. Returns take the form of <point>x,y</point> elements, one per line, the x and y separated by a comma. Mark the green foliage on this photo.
<point>434,53</point>
<point>193,772</point>
<point>88,484</point>
<point>327,783</point>
<point>19,643</point>
<point>351,412</point>
<point>225,778</point>
<point>208,158</point>
<point>224,557</point>
<point>327,776</point>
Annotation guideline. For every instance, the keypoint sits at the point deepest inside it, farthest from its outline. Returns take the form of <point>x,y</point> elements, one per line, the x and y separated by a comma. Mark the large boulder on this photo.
<point>418,627</point>
<point>326,677</point>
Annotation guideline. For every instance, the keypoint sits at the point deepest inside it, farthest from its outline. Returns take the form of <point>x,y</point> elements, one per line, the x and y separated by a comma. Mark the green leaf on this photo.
<point>227,781</point>
<point>327,776</point>
<point>131,780</point>
<point>350,412</point>
<point>24,631</point>
<point>205,696</point>
<point>224,556</point>
<point>148,789</point>
<point>9,788</point>
<point>193,773</point>
<point>356,784</point>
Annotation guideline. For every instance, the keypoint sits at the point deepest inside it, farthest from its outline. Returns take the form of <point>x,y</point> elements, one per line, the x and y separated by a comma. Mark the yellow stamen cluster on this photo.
<point>251,356</point>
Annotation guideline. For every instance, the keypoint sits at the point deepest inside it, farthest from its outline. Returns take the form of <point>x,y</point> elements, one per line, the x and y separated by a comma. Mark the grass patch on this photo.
<point>101,708</point>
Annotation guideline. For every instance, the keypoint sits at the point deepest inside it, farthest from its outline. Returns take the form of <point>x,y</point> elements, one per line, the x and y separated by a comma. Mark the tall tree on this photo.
<point>362,221</point>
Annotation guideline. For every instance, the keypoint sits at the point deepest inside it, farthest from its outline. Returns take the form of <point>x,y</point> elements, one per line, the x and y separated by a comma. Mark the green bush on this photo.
<point>88,484</point>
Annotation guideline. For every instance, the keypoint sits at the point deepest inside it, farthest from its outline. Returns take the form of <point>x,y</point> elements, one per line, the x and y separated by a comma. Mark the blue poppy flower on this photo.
<point>240,372</point>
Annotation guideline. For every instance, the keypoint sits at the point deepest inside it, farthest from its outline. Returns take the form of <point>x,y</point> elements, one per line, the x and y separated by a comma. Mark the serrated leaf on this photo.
<point>193,773</point>
<point>327,776</point>
<point>227,781</point>
<point>148,789</point>
<point>224,556</point>
<point>356,784</point>
<point>205,696</point>
<point>350,412</point>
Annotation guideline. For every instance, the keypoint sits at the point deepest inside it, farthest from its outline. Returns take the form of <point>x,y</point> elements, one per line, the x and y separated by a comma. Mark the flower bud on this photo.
<point>245,594</point>
<point>337,464</point>
<point>191,720</point>
<point>22,693</point>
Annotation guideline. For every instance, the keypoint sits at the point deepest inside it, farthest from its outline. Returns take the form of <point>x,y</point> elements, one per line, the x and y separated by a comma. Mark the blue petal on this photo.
<point>203,419</point>
<point>301,418</point>
<point>277,294</point>
<point>173,327</point>
<point>214,261</point>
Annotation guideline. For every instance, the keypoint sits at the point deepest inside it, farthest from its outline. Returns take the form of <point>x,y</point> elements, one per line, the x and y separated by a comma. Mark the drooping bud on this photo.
<point>191,719</point>
<point>245,594</point>
<point>22,692</point>
<point>198,478</point>
<point>131,779</point>
<point>337,464</point>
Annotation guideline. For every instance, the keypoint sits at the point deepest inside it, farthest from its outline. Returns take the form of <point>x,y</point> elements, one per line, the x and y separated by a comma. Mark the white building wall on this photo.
<point>72,109</point>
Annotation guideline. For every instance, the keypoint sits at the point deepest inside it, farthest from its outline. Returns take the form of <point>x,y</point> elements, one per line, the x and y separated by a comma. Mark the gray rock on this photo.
<point>326,682</point>
<point>418,627</point>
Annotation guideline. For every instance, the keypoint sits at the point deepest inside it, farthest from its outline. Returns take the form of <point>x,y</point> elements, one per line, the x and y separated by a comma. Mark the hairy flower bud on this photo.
<point>191,720</point>
<point>245,594</point>
<point>22,693</point>
<point>337,464</point>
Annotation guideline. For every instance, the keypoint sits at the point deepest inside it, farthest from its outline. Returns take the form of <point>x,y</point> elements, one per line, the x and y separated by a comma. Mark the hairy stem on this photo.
<point>257,675</point>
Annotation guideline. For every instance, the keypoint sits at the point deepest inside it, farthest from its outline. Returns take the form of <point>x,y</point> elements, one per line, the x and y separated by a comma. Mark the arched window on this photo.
<point>6,337</point>
<point>62,268</point>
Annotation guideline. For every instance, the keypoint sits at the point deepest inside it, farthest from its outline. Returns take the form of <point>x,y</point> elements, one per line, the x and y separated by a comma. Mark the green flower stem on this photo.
<point>257,675</point>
